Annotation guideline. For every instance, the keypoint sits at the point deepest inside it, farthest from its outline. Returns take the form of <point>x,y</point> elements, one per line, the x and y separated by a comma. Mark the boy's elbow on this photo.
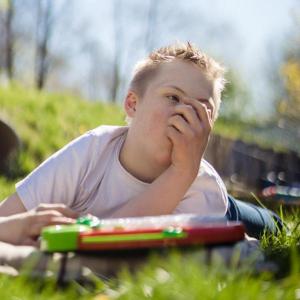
<point>217,208</point>
<point>11,205</point>
<point>222,207</point>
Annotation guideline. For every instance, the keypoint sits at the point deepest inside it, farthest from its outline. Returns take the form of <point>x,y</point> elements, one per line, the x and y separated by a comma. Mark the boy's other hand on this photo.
<point>189,129</point>
<point>63,209</point>
<point>25,228</point>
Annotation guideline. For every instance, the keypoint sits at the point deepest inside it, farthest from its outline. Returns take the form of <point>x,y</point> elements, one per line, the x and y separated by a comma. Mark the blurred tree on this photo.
<point>44,28</point>
<point>288,106</point>
<point>2,35</point>
<point>49,54</point>
<point>118,34</point>
<point>37,41</point>
<point>7,40</point>
<point>92,50</point>
<point>235,98</point>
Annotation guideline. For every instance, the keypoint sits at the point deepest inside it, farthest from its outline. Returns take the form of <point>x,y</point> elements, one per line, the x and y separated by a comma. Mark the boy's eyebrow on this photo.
<point>176,88</point>
<point>183,92</point>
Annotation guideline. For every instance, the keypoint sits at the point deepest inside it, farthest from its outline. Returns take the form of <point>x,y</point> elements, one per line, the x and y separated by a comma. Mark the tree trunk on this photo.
<point>9,45</point>
<point>44,30</point>
<point>117,51</point>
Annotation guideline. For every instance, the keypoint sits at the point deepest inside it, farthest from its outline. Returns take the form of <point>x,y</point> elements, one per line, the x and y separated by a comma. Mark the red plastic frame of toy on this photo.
<point>203,235</point>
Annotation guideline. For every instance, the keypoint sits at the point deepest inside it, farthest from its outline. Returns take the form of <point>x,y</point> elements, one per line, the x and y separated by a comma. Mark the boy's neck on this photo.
<point>139,163</point>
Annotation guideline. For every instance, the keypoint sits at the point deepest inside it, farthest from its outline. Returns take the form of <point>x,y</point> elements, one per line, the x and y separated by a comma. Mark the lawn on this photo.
<point>45,122</point>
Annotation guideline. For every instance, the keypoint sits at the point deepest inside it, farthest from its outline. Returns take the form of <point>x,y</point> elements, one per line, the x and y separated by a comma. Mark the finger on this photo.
<point>66,211</point>
<point>47,220</point>
<point>180,124</point>
<point>189,114</point>
<point>209,103</point>
<point>204,114</point>
<point>48,213</point>
<point>61,221</point>
<point>174,135</point>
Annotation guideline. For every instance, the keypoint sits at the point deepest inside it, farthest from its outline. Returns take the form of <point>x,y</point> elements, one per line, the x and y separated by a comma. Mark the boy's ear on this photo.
<point>130,103</point>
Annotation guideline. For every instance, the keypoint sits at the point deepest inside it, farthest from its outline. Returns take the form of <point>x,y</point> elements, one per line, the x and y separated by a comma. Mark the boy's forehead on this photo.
<point>184,75</point>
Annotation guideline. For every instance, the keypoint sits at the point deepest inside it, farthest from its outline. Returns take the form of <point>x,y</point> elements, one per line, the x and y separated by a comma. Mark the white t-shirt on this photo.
<point>88,177</point>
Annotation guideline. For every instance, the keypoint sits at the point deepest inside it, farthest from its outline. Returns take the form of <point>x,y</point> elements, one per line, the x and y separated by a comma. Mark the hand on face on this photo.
<point>189,129</point>
<point>24,228</point>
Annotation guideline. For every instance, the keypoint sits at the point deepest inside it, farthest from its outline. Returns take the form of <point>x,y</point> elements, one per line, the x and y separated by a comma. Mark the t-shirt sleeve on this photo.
<point>57,180</point>
<point>207,196</point>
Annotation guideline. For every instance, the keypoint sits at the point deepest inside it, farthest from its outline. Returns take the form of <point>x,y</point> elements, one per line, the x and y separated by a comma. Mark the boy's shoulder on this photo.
<point>95,140</point>
<point>102,134</point>
<point>207,168</point>
<point>106,131</point>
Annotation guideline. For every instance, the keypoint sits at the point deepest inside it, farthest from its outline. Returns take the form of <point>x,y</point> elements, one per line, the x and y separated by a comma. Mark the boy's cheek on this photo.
<point>160,117</point>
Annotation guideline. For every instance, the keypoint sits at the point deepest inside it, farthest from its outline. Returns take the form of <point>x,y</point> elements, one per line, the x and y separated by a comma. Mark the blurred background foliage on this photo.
<point>288,106</point>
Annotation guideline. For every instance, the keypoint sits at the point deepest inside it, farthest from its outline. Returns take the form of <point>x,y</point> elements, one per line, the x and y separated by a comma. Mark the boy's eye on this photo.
<point>173,98</point>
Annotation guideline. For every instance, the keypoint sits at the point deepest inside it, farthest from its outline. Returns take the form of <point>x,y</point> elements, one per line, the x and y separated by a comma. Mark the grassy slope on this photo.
<point>45,122</point>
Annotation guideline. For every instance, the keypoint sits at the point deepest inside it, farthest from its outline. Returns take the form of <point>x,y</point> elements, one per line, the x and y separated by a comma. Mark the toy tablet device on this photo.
<point>90,233</point>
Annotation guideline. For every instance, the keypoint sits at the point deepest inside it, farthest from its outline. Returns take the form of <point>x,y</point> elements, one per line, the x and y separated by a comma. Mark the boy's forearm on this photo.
<point>9,229</point>
<point>161,197</point>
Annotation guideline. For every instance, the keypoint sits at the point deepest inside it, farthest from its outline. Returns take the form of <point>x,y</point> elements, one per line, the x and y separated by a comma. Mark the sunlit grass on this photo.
<point>6,187</point>
<point>45,122</point>
<point>24,288</point>
<point>181,277</point>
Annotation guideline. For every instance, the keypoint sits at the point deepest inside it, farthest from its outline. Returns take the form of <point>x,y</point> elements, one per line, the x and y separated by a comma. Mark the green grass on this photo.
<point>21,288</point>
<point>174,276</point>
<point>181,277</point>
<point>45,122</point>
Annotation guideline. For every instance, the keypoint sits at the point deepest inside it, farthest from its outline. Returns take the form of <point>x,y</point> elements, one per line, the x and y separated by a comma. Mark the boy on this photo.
<point>153,167</point>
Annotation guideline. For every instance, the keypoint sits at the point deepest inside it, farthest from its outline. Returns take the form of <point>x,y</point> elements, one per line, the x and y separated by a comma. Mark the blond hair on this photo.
<point>147,68</point>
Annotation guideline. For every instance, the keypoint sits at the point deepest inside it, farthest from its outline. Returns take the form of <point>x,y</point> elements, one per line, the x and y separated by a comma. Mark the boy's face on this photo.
<point>174,80</point>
